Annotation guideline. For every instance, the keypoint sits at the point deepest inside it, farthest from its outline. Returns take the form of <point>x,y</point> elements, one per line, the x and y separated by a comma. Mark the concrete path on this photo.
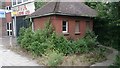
<point>110,58</point>
<point>9,58</point>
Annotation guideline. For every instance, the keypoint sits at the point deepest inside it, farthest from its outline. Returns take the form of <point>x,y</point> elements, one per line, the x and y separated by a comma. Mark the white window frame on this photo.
<point>13,3</point>
<point>7,8</point>
<point>9,30</point>
<point>18,2</point>
<point>66,26</point>
<point>23,2</point>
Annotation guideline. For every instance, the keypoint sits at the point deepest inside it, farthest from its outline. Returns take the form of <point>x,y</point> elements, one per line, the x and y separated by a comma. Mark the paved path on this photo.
<point>9,58</point>
<point>110,58</point>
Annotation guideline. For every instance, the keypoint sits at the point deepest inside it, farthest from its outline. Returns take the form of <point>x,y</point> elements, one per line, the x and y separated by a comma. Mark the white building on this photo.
<point>21,8</point>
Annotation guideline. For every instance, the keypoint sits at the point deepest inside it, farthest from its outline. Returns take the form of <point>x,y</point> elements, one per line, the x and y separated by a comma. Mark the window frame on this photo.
<point>9,28</point>
<point>66,26</point>
<point>88,25</point>
<point>19,2</point>
<point>77,23</point>
<point>22,2</point>
<point>7,8</point>
<point>14,3</point>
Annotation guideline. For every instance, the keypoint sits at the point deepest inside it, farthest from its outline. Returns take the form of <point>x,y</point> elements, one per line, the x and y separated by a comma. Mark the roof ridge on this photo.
<point>56,7</point>
<point>65,8</point>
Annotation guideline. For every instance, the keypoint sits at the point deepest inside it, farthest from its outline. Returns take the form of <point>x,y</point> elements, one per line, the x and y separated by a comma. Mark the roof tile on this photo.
<point>65,8</point>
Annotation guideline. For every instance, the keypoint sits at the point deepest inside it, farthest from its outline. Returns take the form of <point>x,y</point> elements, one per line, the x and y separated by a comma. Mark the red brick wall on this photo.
<point>39,22</point>
<point>0,27</point>
<point>4,32</point>
<point>7,19</point>
<point>8,15</point>
<point>57,24</point>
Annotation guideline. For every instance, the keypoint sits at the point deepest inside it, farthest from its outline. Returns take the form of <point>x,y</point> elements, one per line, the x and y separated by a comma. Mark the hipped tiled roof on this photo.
<point>65,8</point>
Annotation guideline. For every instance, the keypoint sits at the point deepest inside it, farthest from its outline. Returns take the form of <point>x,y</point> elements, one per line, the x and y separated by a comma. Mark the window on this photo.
<point>77,27</point>
<point>19,1</point>
<point>14,2</point>
<point>65,26</point>
<point>9,29</point>
<point>25,0</point>
<point>8,8</point>
<point>88,24</point>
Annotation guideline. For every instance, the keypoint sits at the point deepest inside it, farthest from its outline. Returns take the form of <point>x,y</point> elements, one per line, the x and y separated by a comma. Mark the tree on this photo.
<point>107,23</point>
<point>39,4</point>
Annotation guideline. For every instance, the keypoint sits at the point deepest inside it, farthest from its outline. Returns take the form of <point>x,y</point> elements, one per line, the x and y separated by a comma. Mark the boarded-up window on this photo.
<point>88,24</point>
<point>77,26</point>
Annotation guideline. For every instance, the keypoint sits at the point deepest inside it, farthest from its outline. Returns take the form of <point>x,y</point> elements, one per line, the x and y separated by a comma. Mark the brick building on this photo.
<point>6,26</point>
<point>68,18</point>
<point>15,16</point>
<point>21,8</point>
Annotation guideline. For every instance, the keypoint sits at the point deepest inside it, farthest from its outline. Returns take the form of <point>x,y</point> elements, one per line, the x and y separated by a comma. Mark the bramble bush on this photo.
<point>40,41</point>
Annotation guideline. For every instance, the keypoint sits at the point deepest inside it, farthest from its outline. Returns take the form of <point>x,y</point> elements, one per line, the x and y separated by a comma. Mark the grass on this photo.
<point>70,60</point>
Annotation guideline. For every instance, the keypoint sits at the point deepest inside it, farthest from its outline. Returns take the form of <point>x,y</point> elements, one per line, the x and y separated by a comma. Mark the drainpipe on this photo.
<point>14,26</point>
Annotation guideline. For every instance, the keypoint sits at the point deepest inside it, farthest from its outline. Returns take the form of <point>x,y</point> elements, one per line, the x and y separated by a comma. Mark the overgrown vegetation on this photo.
<point>107,23</point>
<point>40,41</point>
<point>54,58</point>
<point>39,4</point>
<point>116,63</point>
<point>45,41</point>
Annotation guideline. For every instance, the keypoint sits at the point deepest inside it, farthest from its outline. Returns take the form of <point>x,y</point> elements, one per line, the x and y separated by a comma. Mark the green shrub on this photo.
<point>91,38</point>
<point>45,42</point>
<point>54,58</point>
<point>116,63</point>
<point>62,45</point>
<point>48,30</point>
<point>25,38</point>
<point>21,35</point>
<point>85,44</point>
<point>80,46</point>
<point>40,41</point>
<point>36,42</point>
